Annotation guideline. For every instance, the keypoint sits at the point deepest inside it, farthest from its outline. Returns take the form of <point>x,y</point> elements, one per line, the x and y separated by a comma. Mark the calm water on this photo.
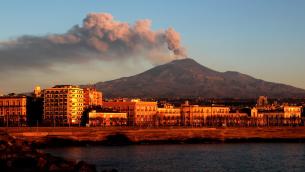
<point>196,157</point>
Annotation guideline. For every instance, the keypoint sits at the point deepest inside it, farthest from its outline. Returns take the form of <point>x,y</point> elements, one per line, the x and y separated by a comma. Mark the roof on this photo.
<point>15,96</point>
<point>64,86</point>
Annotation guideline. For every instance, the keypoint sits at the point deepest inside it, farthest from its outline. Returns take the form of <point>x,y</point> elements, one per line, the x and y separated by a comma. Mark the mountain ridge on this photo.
<point>185,78</point>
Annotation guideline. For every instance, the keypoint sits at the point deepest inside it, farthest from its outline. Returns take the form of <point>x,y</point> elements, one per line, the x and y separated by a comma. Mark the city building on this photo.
<point>92,97</point>
<point>139,113</point>
<point>105,119</point>
<point>168,116</point>
<point>13,110</point>
<point>285,112</point>
<point>194,115</point>
<point>292,111</point>
<point>63,104</point>
<point>283,116</point>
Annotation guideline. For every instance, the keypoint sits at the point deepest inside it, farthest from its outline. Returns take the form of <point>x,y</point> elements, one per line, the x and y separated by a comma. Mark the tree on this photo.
<point>85,114</point>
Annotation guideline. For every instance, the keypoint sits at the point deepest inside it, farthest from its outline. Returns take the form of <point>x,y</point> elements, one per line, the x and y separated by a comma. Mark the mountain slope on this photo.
<point>187,78</point>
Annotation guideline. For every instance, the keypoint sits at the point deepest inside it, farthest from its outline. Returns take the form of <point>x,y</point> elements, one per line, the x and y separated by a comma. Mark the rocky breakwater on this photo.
<point>19,155</point>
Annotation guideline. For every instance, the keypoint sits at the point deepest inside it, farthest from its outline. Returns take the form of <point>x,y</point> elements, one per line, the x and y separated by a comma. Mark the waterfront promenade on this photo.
<point>158,135</point>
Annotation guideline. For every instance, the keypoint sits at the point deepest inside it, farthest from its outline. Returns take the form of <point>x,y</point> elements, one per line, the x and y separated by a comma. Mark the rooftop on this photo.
<point>66,86</point>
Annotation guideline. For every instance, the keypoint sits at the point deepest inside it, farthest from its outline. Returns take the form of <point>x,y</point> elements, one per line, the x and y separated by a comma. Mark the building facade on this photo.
<point>139,113</point>
<point>285,112</point>
<point>13,110</point>
<point>194,115</point>
<point>63,105</point>
<point>287,115</point>
<point>168,116</point>
<point>105,119</point>
<point>144,114</point>
<point>292,111</point>
<point>92,97</point>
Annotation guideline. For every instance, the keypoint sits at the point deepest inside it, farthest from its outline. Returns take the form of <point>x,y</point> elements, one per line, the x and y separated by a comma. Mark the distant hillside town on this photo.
<point>69,105</point>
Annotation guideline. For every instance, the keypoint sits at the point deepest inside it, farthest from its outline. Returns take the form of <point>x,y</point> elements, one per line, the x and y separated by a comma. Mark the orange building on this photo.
<point>284,112</point>
<point>92,97</point>
<point>139,113</point>
<point>292,111</point>
<point>286,115</point>
<point>194,115</point>
<point>105,119</point>
<point>13,110</point>
<point>168,116</point>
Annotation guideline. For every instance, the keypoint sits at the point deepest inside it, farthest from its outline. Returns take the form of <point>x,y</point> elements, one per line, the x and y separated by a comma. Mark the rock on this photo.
<point>24,163</point>
<point>9,163</point>
<point>10,143</point>
<point>3,165</point>
<point>19,155</point>
<point>53,167</point>
<point>66,166</point>
<point>41,163</point>
<point>112,170</point>
<point>84,167</point>
<point>2,147</point>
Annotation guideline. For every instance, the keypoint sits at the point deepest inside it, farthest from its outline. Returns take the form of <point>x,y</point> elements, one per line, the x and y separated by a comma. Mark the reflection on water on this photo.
<point>196,157</point>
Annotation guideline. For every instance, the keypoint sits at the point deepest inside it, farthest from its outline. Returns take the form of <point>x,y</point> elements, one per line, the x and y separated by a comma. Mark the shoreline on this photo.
<point>20,155</point>
<point>27,144</point>
<point>75,136</point>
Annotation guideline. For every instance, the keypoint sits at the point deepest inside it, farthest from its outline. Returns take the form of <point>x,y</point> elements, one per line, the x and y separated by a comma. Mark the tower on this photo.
<point>37,91</point>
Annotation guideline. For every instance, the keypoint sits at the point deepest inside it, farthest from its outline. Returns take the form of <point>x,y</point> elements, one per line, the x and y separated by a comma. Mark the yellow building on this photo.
<point>13,110</point>
<point>168,116</point>
<point>139,113</point>
<point>63,104</point>
<point>107,119</point>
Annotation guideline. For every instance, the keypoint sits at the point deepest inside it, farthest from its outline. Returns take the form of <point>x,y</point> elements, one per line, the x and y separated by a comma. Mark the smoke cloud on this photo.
<point>100,37</point>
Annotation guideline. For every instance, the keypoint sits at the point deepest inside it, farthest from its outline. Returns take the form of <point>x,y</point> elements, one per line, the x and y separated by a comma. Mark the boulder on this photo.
<point>84,167</point>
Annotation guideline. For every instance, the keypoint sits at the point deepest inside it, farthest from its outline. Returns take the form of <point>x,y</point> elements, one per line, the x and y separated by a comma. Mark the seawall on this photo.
<point>112,136</point>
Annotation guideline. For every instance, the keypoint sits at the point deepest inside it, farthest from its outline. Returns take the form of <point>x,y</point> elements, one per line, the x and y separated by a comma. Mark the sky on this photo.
<point>264,39</point>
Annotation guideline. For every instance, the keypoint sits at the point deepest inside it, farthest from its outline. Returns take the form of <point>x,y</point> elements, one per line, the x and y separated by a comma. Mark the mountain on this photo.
<point>187,78</point>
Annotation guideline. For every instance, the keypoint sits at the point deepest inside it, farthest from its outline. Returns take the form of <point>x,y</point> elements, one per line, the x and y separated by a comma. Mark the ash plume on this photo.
<point>100,37</point>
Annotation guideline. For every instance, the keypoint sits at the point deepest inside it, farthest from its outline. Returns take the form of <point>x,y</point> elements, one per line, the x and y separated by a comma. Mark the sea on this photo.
<point>216,157</point>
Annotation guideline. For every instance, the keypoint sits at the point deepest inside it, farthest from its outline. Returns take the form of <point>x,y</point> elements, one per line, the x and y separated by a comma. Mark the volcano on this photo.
<point>186,78</point>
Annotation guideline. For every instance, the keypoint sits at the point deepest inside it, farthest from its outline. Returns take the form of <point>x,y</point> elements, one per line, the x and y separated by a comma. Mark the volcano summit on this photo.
<point>186,78</point>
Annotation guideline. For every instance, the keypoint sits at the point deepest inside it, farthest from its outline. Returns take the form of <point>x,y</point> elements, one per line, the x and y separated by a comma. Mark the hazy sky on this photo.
<point>264,39</point>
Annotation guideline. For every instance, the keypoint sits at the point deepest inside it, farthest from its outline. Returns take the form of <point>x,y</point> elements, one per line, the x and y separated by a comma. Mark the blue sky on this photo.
<point>265,39</point>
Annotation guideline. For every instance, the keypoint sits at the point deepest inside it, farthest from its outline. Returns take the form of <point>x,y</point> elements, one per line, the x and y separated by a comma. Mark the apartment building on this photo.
<point>13,110</point>
<point>63,105</point>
